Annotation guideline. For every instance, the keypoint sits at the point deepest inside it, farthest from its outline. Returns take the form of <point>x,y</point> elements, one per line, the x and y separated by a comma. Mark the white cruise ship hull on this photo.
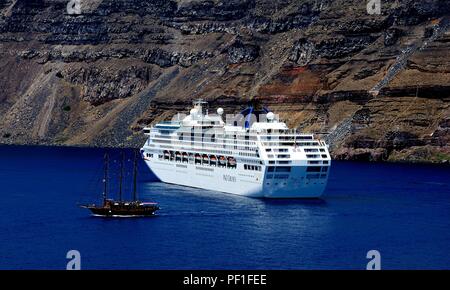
<point>235,181</point>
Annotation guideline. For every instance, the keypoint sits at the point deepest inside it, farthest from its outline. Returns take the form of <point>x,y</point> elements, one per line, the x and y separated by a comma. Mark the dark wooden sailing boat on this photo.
<point>121,208</point>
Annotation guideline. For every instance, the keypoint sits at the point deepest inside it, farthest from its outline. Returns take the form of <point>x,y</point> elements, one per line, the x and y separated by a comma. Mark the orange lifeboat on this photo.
<point>222,160</point>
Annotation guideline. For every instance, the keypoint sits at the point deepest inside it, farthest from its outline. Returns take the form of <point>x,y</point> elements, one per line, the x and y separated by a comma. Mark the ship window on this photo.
<point>283,169</point>
<point>271,162</point>
<point>245,166</point>
<point>282,176</point>
<point>325,169</point>
<point>325,162</point>
<point>324,156</point>
<point>271,169</point>
<point>284,156</point>
<point>313,169</point>
<point>322,150</point>
<point>310,150</point>
<point>312,156</point>
<point>268,149</point>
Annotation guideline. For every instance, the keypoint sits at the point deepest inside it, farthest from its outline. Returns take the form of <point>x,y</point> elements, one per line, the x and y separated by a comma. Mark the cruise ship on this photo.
<point>254,155</point>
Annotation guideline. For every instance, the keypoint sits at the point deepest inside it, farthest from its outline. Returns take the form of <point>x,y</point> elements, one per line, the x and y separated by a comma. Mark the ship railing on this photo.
<point>282,143</point>
<point>240,150</point>
<point>219,142</point>
<point>169,122</point>
<point>280,132</point>
<point>234,144</point>
<point>175,123</point>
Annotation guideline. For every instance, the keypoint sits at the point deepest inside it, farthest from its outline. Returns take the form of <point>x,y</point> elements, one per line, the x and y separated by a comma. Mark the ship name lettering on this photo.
<point>229,178</point>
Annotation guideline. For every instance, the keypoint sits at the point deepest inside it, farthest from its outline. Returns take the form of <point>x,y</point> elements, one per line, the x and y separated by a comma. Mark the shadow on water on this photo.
<point>296,201</point>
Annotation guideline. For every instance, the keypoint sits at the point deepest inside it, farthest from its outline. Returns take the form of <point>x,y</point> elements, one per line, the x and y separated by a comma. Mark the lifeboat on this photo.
<point>197,156</point>
<point>222,160</point>
<point>231,161</point>
<point>166,153</point>
<point>213,158</point>
<point>178,154</point>
<point>205,158</point>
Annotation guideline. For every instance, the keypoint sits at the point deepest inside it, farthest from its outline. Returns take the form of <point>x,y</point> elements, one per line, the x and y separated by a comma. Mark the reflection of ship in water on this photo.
<point>121,208</point>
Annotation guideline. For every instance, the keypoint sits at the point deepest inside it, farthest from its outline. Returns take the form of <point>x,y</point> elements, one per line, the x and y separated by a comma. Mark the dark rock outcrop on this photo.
<point>303,52</point>
<point>100,86</point>
<point>240,52</point>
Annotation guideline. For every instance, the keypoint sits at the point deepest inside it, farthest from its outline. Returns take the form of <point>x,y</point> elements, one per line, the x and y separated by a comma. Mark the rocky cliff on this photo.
<point>377,85</point>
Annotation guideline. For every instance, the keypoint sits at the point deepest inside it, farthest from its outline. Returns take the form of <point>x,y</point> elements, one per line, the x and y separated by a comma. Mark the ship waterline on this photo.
<point>260,159</point>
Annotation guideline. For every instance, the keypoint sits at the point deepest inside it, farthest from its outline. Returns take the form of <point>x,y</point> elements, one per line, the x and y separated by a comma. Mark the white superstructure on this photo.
<point>264,159</point>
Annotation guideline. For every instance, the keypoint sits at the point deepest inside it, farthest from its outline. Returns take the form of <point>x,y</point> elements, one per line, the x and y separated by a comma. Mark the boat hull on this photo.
<point>101,211</point>
<point>235,181</point>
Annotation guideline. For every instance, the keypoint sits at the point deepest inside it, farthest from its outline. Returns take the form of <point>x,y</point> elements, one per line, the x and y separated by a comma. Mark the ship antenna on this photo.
<point>105,178</point>
<point>135,176</point>
<point>121,176</point>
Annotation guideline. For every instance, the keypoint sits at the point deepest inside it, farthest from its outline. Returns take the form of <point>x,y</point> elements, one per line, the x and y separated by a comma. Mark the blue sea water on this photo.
<point>401,210</point>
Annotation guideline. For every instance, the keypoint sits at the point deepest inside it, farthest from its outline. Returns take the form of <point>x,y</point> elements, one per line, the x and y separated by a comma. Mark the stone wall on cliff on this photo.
<point>376,86</point>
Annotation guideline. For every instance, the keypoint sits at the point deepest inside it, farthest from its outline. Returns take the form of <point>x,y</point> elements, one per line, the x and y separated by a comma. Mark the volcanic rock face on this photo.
<point>378,85</point>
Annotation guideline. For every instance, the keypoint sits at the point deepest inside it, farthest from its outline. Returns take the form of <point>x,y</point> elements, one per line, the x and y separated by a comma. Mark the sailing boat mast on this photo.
<point>121,175</point>
<point>135,176</point>
<point>105,178</point>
